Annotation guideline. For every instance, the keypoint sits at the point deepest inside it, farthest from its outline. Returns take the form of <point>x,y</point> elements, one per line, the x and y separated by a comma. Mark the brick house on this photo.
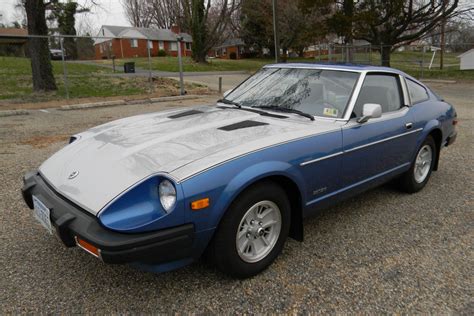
<point>232,48</point>
<point>13,42</point>
<point>129,42</point>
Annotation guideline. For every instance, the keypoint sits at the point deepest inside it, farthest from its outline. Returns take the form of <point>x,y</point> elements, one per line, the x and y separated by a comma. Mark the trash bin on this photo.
<point>129,68</point>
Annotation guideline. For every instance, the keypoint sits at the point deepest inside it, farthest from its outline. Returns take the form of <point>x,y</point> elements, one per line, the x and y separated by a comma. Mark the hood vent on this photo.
<point>240,125</point>
<point>262,113</point>
<point>187,113</point>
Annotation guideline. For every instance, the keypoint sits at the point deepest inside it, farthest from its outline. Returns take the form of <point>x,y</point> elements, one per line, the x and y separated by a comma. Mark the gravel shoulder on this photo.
<point>381,252</point>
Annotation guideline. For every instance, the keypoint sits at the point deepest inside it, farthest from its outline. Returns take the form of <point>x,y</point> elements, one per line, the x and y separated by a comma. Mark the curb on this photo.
<point>13,113</point>
<point>91,105</point>
<point>438,81</point>
<point>175,98</point>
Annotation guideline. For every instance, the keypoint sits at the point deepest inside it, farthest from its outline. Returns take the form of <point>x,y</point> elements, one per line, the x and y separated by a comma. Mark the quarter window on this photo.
<point>383,89</point>
<point>417,92</point>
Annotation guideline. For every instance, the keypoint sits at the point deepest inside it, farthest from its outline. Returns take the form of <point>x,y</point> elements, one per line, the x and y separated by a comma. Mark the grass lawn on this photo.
<point>406,61</point>
<point>89,80</point>
<point>84,81</point>
<point>171,64</point>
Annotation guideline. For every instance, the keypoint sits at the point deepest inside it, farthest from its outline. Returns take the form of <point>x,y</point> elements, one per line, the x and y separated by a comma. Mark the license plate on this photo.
<point>41,213</point>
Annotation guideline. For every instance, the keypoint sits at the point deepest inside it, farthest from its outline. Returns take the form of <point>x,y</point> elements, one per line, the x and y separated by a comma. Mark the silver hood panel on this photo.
<point>112,157</point>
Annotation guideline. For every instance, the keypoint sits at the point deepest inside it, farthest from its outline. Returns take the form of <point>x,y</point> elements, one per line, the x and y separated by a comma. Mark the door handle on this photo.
<point>409,125</point>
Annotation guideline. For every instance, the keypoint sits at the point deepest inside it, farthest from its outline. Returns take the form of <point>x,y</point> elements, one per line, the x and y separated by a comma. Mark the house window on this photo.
<point>188,46</point>
<point>101,48</point>
<point>174,46</point>
<point>161,45</point>
<point>224,51</point>
<point>150,45</point>
<point>134,43</point>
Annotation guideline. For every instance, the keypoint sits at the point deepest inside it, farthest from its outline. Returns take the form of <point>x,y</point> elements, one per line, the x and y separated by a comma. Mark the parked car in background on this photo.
<point>235,179</point>
<point>56,54</point>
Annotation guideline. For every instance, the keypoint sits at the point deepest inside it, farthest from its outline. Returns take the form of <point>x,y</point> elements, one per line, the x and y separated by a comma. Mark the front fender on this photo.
<point>223,184</point>
<point>253,174</point>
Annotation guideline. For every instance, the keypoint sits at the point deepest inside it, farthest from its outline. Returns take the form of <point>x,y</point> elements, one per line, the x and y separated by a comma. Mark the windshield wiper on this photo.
<point>226,101</point>
<point>286,110</point>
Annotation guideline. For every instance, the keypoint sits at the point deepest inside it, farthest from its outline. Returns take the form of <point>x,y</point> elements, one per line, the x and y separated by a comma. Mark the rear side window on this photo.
<point>383,89</point>
<point>417,92</point>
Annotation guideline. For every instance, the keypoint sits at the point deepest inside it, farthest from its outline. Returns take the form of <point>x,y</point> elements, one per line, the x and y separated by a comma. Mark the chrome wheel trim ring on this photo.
<point>258,231</point>
<point>423,163</point>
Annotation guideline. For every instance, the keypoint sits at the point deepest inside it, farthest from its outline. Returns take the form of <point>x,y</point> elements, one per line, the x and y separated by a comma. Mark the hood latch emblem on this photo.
<point>73,175</point>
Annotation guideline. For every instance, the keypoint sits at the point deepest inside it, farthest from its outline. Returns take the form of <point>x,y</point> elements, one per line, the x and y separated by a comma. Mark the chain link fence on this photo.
<point>420,60</point>
<point>88,67</point>
<point>97,67</point>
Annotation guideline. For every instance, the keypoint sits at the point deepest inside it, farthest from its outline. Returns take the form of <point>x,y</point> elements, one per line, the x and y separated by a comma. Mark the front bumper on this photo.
<point>70,221</point>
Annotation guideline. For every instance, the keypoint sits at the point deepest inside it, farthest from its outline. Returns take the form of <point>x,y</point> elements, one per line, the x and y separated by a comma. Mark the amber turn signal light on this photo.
<point>93,250</point>
<point>200,204</point>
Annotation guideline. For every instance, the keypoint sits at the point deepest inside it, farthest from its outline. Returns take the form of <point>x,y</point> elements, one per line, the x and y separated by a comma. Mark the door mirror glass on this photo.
<point>369,111</point>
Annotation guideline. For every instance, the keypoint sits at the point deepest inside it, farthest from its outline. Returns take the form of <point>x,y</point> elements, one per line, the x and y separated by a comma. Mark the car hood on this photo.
<point>106,160</point>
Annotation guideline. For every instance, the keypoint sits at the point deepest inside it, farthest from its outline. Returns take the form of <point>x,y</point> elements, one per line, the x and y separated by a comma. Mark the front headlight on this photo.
<point>167,194</point>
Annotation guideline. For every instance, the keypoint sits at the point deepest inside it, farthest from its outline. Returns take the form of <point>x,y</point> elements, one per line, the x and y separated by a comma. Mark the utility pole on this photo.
<point>275,31</point>
<point>180,62</point>
<point>443,38</point>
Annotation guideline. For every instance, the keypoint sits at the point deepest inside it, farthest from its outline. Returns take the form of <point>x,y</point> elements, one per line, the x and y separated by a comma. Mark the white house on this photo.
<point>467,59</point>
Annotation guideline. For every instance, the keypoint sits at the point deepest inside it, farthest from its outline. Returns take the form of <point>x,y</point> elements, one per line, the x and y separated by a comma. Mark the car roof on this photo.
<point>335,66</point>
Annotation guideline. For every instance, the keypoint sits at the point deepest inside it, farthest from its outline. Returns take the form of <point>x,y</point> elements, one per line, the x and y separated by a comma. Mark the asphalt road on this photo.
<point>383,251</point>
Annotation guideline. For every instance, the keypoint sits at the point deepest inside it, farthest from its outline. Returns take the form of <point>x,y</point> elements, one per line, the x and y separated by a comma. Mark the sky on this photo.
<point>108,12</point>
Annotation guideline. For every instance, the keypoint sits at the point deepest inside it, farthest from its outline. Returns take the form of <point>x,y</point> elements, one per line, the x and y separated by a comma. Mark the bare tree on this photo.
<point>165,13</point>
<point>208,22</point>
<point>398,22</point>
<point>138,12</point>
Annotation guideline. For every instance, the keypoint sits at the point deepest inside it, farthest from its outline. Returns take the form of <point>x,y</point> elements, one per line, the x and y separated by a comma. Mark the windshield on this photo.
<point>314,91</point>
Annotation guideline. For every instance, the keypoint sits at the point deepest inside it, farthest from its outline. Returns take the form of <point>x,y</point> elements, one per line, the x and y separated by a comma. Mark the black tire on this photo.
<point>223,249</point>
<point>407,181</point>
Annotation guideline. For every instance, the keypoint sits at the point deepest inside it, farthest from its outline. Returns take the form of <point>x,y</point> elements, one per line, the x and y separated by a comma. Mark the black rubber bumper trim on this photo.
<point>70,221</point>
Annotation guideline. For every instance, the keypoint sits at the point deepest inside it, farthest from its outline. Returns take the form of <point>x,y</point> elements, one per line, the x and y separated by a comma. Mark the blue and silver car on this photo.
<point>235,179</point>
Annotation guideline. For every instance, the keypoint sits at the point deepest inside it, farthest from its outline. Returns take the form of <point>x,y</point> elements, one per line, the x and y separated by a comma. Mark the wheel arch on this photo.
<point>437,136</point>
<point>296,203</point>
<point>289,182</point>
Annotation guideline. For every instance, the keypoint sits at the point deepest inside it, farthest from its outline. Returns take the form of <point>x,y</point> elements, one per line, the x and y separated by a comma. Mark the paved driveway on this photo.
<point>383,252</point>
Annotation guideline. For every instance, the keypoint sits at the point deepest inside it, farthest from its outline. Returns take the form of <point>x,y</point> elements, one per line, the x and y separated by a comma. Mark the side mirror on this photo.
<point>369,111</point>
<point>227,93</point>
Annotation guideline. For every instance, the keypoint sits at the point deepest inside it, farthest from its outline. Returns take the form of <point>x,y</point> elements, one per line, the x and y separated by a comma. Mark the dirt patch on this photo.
<point>44,141</point>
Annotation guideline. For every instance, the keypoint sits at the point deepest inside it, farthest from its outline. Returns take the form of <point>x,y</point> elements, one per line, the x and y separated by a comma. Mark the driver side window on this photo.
<point>383,89</point>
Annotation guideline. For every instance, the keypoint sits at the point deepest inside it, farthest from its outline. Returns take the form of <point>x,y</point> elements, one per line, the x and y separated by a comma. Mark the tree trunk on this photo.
<point>42,70</point>
<point>198,31</point>
<point>348,7</point>
<point>386,51</point>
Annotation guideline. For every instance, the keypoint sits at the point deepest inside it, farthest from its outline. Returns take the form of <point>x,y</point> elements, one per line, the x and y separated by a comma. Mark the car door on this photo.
<point>380,145</point>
